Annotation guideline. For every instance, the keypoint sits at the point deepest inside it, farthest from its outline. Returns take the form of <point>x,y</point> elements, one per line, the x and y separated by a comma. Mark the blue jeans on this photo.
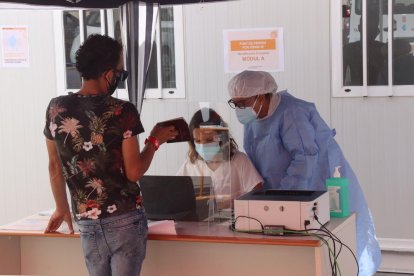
<point>115,245</point>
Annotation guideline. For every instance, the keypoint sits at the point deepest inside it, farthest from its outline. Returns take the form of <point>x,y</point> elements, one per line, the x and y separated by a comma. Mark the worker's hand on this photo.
<point>163,134</point>
<point>56,220</point>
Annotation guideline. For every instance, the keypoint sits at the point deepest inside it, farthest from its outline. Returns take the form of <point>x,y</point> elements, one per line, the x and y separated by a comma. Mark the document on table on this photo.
<point>32,223</point>
<point>38,222</point>
<point>162,227</point>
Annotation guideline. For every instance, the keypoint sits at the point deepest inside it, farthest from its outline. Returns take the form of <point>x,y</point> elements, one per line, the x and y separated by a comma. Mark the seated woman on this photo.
<point>214,153</point>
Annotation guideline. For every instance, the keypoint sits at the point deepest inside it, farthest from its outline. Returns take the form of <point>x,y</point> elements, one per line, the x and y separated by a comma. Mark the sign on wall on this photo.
<point>15,46</point>
<point>253,49</point>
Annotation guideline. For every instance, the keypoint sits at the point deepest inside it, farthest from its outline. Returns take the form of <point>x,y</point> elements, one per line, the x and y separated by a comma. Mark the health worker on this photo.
<point>294,149</point>
<point>214,153</point>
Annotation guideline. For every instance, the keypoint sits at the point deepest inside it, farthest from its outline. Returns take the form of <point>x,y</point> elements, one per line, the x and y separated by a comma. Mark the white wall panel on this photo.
<point>377,136</point>
<point>24,95</point>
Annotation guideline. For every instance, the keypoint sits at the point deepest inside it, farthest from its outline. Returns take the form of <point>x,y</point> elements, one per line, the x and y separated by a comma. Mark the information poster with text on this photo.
<point>253,49</point>
<point>15,46</point>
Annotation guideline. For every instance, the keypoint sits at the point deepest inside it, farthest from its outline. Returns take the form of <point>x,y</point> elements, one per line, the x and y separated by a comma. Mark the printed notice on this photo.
<point>15,46</point>
<point>253,49</point>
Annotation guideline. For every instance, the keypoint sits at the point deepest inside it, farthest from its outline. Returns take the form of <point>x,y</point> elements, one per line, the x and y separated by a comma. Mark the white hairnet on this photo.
<point>251,83</point>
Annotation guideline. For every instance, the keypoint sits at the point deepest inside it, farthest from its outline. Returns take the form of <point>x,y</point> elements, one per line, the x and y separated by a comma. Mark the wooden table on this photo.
<point>199,248</point>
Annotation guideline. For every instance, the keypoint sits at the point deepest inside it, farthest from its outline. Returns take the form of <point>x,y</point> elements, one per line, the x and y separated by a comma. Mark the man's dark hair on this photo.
<point>96,55</point>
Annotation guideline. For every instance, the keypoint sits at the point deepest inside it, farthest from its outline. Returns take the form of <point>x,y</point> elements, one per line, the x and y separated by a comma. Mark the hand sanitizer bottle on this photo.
<point>338,189</point>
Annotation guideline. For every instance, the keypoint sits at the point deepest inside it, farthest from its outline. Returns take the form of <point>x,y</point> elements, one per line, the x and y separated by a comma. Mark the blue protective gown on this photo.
<point>294,149</point>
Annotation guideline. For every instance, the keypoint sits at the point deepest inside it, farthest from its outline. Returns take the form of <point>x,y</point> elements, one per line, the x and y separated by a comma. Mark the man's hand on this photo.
<point>163,134</point>
<point>56,220</point>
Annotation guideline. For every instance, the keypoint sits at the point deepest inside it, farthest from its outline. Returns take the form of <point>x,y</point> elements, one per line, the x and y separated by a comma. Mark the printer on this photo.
<point>281,209</point>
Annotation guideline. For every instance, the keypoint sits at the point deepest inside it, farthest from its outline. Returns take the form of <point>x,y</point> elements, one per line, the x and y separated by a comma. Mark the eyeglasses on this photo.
<point>241,104</point>
<point>123,74</point>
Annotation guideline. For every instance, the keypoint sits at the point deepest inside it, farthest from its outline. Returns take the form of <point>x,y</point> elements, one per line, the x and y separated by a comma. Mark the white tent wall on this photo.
<point>24,95</point>
<point>375,134</point>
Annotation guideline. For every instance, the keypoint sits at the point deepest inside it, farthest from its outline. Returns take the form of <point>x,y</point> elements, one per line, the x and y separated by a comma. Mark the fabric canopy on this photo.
<point>102,4</point>
<point>138,28</point>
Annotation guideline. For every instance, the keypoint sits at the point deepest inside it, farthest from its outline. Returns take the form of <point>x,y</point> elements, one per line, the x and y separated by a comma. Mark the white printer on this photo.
<point>277,209</point>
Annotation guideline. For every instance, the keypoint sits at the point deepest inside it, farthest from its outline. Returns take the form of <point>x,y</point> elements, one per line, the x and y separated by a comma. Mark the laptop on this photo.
<point>182,198</point>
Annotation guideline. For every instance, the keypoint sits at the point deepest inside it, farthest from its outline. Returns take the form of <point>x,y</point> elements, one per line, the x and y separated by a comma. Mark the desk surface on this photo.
<point>209,233</point>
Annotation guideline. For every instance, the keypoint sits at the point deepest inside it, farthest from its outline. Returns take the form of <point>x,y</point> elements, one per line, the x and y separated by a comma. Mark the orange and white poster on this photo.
<point>15,46</point>
<point>253,49</point>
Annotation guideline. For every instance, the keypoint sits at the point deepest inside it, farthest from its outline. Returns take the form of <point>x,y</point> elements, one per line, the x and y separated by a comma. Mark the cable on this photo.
<point>337,239</point>
<point>287,231</point>
<point>326,233</point>
<point>235,221</point>
<point>335,255</point>
<point>331,253</point>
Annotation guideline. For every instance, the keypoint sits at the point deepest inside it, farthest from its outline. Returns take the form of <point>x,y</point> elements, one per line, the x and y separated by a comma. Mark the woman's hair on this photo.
<point>209,117</point>
<point>96,55</point>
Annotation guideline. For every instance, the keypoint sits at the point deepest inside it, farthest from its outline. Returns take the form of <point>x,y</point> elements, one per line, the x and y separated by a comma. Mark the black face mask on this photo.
<point>119,77</point>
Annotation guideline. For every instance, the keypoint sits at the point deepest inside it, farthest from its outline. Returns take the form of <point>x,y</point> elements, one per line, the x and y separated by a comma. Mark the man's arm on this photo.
<point>62,212</point>
<point>299,139</point>
<point>136,163</point>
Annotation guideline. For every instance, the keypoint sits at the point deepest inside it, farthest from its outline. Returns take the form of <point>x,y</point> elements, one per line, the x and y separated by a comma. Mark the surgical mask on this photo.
<point>112,86</point>
<point>247,114</point>
<point>208,151</point>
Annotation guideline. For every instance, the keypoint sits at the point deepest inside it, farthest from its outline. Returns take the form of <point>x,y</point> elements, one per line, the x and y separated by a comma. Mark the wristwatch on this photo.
<point>154,141</point>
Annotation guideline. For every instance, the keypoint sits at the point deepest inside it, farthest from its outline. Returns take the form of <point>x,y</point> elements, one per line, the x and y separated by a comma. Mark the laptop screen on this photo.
<point>176,197</point>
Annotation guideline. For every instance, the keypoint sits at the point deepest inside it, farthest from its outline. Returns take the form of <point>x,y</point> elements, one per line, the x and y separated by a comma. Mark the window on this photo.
<point>73,26</point>
<point>364,32</point>
<point>166,71</point>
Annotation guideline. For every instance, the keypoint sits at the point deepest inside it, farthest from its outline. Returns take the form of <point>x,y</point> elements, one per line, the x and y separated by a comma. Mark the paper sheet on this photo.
<point>39,222</point>
<point>33,223</point>
<point>162,227</point>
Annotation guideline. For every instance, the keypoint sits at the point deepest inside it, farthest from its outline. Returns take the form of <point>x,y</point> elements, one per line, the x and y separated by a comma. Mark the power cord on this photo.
<point>335,238</point>
<point>323,234</point>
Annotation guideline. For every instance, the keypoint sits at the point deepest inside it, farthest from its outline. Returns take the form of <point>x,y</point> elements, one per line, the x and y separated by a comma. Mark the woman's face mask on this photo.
<point>208,151</point>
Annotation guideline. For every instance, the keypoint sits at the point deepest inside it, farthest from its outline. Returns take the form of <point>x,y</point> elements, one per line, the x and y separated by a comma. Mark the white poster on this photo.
<point>253,49</point>
<point>15,46</point>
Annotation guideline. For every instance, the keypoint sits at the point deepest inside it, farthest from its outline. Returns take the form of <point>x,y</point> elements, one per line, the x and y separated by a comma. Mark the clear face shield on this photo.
<point>195,176</point>
<point>214,148</point>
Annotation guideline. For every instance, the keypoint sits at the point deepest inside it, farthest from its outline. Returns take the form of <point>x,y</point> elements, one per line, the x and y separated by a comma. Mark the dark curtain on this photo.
<point>138,21</point>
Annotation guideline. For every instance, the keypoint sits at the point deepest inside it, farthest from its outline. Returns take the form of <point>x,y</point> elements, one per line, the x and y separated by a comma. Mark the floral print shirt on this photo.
<point>88,131</point>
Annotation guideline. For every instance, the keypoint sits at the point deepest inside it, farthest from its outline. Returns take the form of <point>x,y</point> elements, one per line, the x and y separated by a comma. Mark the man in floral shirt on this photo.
<point>93,147</point>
